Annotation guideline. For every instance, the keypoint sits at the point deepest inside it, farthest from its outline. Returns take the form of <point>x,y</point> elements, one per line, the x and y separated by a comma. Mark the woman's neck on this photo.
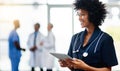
<point>89,33</point>
<point>90,29</point>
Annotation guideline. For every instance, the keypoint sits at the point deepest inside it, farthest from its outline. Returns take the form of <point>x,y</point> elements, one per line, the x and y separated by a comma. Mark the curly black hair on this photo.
<point>96,10</point>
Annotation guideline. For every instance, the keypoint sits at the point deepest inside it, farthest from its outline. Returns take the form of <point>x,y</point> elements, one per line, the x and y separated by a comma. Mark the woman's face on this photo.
<point>83,18</point>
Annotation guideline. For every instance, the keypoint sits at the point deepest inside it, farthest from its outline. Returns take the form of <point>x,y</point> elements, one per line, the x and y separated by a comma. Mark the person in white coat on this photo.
<point>35,48</point>
<point>48,46</point>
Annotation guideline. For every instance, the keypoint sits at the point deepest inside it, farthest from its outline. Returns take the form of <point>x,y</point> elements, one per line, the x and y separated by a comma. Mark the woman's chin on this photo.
<point>82,26</point>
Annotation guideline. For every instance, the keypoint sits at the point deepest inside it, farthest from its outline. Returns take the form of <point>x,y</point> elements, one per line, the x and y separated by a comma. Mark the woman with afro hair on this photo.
<point>91,49</point>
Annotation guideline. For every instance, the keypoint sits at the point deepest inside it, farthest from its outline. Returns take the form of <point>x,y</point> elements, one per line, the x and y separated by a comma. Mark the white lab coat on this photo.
<point>48,46</point>
<point>35,57</point>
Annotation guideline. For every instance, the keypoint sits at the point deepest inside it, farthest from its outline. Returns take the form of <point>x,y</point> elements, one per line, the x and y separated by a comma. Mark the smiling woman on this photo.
<point>59,12</point>
<point>89,48</point>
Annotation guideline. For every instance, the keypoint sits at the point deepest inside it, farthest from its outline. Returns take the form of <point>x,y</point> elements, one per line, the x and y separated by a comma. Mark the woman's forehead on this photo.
<point>82,11</point>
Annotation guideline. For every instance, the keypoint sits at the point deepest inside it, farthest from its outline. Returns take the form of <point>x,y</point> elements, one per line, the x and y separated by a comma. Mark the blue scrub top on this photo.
<point>101,56</point>
<point>13,51</point>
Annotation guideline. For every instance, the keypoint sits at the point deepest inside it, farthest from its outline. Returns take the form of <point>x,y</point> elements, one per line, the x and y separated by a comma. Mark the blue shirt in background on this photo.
<point>13,51</point>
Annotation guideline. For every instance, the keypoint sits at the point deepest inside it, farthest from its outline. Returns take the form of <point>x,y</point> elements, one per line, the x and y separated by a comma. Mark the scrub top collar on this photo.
<point>94,35</point>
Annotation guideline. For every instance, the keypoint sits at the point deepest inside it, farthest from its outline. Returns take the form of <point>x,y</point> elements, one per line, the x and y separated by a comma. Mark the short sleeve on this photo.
<point>70,51</point>
<point>15,37</point>
<point>108,52</point>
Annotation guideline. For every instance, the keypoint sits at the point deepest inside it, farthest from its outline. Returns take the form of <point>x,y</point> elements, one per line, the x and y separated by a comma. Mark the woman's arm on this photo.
<point>79,64</point>
<point>89,68</point>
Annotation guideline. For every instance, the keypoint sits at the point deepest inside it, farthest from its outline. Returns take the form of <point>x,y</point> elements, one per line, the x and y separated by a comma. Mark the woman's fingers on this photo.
<point>62,63</point>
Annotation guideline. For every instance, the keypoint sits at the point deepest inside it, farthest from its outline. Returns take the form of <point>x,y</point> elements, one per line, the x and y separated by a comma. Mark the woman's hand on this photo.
<point>73,63</point>
<point>66,63</point>
<point>63,63</point>
<point>78,64</point>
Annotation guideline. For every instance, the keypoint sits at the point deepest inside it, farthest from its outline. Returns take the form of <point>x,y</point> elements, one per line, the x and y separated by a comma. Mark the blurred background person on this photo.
<point>48,46</point>
<point>35,49</point>
<point>63,16</point>
<point>14,47</point>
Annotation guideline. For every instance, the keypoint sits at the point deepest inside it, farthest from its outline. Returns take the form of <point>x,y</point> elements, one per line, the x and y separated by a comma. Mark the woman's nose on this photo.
<point>80,18</point>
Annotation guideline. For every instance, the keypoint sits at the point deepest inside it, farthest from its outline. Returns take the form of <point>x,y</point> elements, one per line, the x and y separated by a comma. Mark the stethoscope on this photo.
<point>85,53</point>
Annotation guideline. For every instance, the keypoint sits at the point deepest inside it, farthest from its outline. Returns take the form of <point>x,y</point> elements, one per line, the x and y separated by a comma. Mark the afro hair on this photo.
<point>96,10</point>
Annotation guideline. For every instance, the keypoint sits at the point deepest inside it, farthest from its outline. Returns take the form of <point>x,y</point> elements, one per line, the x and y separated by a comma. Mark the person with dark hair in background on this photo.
<point>91,49</point>
<point>35,49</point>
<point>14,47</point>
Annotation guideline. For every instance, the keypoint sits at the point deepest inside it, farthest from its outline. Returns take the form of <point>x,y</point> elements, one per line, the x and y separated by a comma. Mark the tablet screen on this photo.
<point>61,56</point>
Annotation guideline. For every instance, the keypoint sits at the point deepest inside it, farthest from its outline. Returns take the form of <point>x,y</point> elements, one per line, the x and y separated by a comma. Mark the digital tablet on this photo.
<point>61,56</point>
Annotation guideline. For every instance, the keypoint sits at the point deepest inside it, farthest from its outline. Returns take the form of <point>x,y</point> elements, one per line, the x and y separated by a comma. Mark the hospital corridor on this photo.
<point>65,23</point>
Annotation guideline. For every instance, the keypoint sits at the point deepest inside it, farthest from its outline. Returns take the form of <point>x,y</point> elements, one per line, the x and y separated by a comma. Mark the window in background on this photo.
<point>60,1</point>
<point>62,20</point>
<point>16,1</point>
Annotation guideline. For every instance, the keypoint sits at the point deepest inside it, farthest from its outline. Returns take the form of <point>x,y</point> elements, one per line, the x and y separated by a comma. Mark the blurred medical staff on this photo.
<point>48,46</point>
<point>35,49</point>
<point>14,47</point>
